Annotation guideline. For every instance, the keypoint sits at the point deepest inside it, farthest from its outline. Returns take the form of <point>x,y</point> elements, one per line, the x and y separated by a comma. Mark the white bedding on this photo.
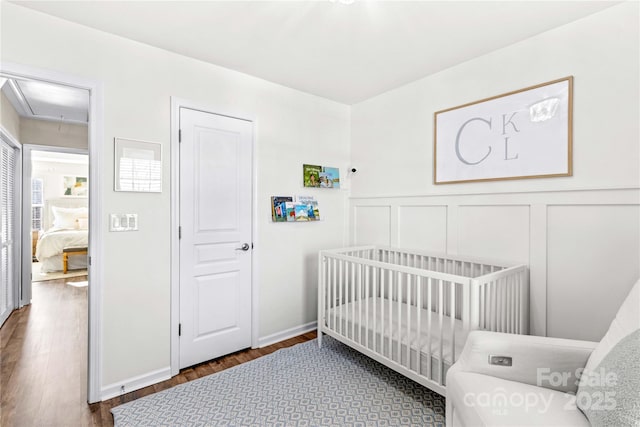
<point>54,241</point>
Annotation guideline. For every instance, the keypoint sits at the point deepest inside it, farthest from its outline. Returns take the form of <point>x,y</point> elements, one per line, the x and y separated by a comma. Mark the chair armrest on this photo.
<point>553,363</point>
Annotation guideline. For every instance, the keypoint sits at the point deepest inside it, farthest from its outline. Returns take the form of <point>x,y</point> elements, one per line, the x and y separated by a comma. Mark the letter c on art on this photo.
<point>458,154</point>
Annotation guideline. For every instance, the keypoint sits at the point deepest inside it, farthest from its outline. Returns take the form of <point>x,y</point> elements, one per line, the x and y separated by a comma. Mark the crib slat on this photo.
<point>408,346</point>
<point>359,298</point>
<point>399,328</point>
<point>452,319</point>
<point>332,291</point>
<point>390,304</point>
<point>352,285</point>
<point>430,312</point>
<point>375,305</point>
<point>343,320</point>
<point>440,326</point>
<point>366,306</point>
<point>382,317</point>
<point>419,322</point>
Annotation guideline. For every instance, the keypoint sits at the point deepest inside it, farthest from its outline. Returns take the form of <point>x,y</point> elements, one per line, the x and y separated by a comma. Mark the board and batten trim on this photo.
<point>353,220</point>
<point>537,203</point>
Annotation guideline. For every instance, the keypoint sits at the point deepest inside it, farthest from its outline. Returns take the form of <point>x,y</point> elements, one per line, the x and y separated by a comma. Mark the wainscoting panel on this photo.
<point>371,225</point>
<point>423,227</point>
<point>593,254</point>
<point>582,246</point>
<point>494,232</point>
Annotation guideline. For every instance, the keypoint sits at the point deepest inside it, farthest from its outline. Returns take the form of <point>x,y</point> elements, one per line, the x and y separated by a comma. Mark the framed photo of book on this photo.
<point>320,176</point>
<point>311,175</point>
<point>526,133</point>
<point>279,208</point>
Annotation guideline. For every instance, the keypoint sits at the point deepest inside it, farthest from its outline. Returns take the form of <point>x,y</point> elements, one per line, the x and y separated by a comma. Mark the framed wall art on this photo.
<point>320,176</point>
<point>138,166</point>
<point>75,186</point>
<point>521,134</point>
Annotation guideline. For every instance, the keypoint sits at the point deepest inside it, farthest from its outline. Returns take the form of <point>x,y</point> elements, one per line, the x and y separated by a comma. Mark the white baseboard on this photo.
<point>135,383</point>
<point>286,334</point>
<point>131,384</point>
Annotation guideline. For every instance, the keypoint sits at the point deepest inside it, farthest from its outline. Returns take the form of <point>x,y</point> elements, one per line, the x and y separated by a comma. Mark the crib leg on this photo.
<point>319,338</point>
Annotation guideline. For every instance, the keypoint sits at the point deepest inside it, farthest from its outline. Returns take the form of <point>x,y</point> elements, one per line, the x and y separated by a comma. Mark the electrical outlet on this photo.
<point>121,389</point>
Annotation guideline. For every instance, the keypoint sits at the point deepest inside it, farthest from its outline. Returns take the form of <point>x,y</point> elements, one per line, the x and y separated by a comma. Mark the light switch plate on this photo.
<point>123,222</point>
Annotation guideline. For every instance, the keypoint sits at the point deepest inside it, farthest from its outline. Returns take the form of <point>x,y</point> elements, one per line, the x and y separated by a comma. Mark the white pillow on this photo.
<point>82,223</point>
<point>626,321</point>
<point>65,218</point>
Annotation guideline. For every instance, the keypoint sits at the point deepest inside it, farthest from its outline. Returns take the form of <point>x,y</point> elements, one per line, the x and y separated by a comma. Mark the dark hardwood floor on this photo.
<point>43,362</point>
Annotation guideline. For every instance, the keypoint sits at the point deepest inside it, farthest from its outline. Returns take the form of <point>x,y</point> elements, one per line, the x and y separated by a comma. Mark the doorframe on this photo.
<point>176,104</point>
<point>95,250</point>
<point>27,172</point>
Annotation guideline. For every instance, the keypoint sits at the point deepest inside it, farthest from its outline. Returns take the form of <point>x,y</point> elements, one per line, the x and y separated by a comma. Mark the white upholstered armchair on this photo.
<point>520,380</point>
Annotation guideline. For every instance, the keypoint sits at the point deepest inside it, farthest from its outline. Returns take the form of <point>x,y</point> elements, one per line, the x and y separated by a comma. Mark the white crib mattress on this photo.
<point>340,319</point>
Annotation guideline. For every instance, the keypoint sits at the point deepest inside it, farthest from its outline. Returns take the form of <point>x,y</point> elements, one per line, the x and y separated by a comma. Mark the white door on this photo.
<point>215,244</point>
<point>8,230</point>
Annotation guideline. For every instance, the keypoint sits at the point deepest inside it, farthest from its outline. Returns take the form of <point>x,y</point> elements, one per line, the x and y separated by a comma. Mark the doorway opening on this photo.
<point>52,112</point>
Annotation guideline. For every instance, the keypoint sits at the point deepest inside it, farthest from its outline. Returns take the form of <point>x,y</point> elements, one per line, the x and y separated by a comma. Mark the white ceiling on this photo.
<point>347,53</point>
<point>47,101</point>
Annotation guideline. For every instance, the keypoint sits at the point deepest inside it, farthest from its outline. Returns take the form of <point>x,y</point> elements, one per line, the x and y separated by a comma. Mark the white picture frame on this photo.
<point>137,166</point>
<point>521,134</point>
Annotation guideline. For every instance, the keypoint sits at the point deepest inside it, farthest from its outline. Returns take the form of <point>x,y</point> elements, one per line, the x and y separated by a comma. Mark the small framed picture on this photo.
<point>320,176</point>
<point>138,166</point>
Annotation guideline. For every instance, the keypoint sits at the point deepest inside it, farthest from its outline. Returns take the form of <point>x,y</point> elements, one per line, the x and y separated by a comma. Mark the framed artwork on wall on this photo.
<point>138,166</point>
<point>320,176</point>
<point>75,186</point>
<point>521,134</point>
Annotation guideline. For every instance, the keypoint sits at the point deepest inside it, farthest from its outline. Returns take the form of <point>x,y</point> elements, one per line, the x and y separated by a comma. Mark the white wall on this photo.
<point>293,128</point>
<point>43,132</point>
<point>582,247</point>
<point>9,117</point>
<point>53,173</point>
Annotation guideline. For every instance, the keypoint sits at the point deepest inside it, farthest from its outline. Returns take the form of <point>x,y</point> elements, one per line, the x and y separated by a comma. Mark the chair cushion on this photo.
<point>610,396</point>
<point>626,321</point>
<point>482,400</point>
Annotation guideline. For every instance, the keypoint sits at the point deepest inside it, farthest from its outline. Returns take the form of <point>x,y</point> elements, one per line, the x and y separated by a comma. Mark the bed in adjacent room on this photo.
<point>66,226</point>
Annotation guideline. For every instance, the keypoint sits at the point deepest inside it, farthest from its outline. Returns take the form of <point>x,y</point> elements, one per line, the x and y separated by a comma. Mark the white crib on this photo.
<point>411,310</point>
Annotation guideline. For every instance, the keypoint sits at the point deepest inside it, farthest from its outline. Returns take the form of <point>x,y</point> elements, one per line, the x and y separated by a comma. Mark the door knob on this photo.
<point>245,247</point>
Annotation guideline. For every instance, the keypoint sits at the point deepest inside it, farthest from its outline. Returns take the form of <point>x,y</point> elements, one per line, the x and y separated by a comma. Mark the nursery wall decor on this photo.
<point>521,134</point>
<point>320,176</point>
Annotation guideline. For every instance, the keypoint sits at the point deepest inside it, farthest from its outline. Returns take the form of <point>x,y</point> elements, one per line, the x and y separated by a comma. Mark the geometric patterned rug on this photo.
<point>301,385</point>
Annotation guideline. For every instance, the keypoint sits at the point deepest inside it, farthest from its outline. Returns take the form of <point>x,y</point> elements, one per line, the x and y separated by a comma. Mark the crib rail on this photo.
<point>411,310</point>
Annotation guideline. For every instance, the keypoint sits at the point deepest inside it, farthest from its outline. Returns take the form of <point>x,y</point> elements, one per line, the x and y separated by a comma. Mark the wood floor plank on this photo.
<point>43,382</point>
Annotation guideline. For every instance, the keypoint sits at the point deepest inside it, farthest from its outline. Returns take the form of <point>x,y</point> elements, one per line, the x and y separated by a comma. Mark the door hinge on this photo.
<point>179,329</point>
<point>179,135</point>
<point>89,260</point>
<point>179,232</point>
